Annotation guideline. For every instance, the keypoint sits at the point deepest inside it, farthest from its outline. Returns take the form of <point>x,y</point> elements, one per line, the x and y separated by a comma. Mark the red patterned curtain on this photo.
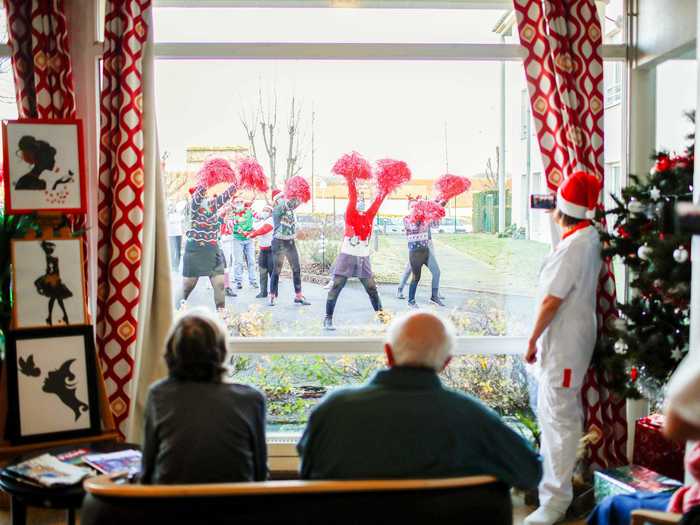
<point>38,36</point>
<point>564,71</point>
<point>120,199</point>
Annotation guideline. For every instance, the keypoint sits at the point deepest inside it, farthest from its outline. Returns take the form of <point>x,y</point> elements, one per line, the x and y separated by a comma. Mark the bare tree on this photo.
<point>263,119</point>
<point>491,172</point>
<point>268,125</point>
<point>295,155</point>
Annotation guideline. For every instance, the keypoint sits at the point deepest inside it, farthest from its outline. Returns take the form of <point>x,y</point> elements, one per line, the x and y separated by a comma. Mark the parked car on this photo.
<point>388,225</point>
<point>447,225</point>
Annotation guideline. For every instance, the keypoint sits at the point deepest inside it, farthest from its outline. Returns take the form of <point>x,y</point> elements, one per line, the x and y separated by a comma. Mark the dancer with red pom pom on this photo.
<point>353,260</point>
<point>446,187</point>
<point>284,233</point>
<point>203,255</point>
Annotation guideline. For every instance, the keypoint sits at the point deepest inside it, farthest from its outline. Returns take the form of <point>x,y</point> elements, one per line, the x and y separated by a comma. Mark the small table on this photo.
<point>23,495</point>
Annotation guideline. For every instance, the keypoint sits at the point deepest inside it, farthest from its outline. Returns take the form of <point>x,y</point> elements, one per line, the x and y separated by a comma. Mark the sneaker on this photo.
<point>302,301</point>
<point>261,295</point>
<point>437,301</point>
<point>544,516</point>
<point>328,286</point>
<point>229,292</point>
<point>271,300</point>
<point>239,286</point>
<point>328,324</point>
<point>399,294</point>
<point>412,304</point>
<point>254,285</point>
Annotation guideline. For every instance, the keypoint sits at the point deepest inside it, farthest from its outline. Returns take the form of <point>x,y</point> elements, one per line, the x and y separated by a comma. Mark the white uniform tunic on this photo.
<point>570,273</point>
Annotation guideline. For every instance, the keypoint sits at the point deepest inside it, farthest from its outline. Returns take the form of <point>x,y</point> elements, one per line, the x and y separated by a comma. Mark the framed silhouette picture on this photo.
<point>52,384</point>
<point>44,164</point>
<point>48,283</point>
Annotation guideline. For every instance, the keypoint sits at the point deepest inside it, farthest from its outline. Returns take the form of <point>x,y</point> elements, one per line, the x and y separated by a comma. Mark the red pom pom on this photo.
<point>663,163</point>
<point>391,174</point>
<point>352,166</point>
<point>426,211</point>
<point>251,175</point>
<point>449,186</point>
<point>297,188</point>
<point>214,171</point>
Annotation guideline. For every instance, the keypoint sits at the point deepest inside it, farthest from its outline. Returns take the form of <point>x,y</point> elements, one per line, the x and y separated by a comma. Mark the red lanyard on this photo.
<point>580,226</point>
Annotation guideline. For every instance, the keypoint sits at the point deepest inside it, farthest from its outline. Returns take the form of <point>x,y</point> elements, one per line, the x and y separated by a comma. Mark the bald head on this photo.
<point>420,339</point>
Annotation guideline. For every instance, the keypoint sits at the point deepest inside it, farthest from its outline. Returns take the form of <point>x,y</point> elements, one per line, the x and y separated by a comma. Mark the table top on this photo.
<point>58,496</point>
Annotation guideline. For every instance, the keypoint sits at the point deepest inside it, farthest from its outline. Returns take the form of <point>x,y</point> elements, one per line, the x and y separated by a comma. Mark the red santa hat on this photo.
<point>577,196</point>
<point>276,194</point>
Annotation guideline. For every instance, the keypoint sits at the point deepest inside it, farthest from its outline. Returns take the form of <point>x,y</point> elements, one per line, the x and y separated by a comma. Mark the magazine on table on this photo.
<point>49,471</point>
<point>121,462</point>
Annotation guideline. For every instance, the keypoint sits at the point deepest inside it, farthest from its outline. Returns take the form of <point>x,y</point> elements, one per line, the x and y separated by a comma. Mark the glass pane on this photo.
<point>326,25</point>
<point>434,116</point>
<point>294,384</point>
<point>613,21</point>
<point>676,92</point>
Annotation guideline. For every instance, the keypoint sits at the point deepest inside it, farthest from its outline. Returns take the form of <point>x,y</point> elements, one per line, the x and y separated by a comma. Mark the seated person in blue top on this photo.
<point>405,424</point>
<point>197,428</point>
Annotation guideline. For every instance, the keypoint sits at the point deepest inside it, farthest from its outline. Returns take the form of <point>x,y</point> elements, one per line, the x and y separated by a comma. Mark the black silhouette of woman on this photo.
<point>42,156</point>
<point>50,284</point>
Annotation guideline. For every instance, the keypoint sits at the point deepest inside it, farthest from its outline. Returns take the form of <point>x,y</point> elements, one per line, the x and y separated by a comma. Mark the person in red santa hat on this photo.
<point>283,245</point>
<point>562,341</point>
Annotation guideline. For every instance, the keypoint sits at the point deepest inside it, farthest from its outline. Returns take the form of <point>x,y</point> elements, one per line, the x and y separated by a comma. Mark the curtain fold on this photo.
<point>156,306</point>
<point>133,300</point>
<point>564,72</point>
<point>38,37</point>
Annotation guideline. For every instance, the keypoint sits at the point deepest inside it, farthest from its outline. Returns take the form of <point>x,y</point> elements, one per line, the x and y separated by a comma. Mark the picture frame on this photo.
<point>44,162</point>
<point>52,384</point>
<point>48,282</point>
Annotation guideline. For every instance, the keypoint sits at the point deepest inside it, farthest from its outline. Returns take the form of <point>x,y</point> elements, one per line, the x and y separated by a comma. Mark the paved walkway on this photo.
<point>484,310</point>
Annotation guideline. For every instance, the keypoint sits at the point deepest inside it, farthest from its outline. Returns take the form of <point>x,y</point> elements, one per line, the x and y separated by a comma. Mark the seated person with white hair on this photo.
<point>405,424</point>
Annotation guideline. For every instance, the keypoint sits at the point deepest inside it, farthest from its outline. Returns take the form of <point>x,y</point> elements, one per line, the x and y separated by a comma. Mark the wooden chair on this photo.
<point>476,499</point>
<point>642,517</point>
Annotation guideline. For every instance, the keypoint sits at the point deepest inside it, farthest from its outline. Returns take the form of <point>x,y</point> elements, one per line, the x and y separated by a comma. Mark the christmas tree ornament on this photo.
<point>655,193</point>
<point>635,206</point>
<point>644,252</point>
<point>676,354</point>
<point>620,347</point>
<point>680,254</point>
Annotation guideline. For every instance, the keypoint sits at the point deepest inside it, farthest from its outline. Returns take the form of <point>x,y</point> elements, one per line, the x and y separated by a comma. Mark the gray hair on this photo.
<point>422,346</point>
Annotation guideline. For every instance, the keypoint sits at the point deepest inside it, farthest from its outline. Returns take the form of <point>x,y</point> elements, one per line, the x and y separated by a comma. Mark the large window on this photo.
<point>442,90</point>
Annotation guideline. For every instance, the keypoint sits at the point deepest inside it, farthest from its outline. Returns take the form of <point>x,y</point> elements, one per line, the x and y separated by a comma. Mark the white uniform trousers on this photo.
<point>560,417</point>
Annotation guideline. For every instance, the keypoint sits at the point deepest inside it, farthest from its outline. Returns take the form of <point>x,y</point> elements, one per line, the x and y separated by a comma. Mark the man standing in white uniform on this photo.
<point>563,339</point>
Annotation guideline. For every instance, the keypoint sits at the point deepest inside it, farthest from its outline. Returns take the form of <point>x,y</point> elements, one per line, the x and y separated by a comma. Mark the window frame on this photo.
<point>466,345</point>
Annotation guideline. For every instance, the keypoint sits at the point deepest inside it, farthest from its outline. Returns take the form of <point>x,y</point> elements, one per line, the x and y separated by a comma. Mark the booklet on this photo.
<point>123,461</point>
<point>49,471</point>
<point>73,457</point>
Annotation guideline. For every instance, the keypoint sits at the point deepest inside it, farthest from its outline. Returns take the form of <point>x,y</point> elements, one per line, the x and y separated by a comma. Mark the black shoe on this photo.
<point>399,294</point>
<point>229,292</point>
<point>302,301</point>
<point>328,324</point>
<point>239,286</point>
<point>412,304</point>
<point>437,301</point>
<point>261,295</point>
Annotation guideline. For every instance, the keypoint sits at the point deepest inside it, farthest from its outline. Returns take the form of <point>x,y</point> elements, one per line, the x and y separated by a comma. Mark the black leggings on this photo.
<point>265,268</point>
<point>338,284</point>
<point>417,258</point>
<point>281,249</point>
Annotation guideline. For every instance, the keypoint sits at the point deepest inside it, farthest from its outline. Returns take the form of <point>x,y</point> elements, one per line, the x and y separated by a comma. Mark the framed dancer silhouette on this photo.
<point>52,384</point>
<point>44,166</point>
<point>48,283</point>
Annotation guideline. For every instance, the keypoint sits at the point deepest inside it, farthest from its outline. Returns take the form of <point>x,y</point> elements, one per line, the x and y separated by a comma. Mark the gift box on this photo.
<point>630,479</point>
<point>653,451</point>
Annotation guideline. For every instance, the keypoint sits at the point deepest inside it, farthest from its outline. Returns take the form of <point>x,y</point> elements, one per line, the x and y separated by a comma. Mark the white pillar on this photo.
<point>502,152</point>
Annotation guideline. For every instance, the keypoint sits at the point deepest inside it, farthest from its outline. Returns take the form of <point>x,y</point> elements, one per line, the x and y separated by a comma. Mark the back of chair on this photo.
<point>343,503</point>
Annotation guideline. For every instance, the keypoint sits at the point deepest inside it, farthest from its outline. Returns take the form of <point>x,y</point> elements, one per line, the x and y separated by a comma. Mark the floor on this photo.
<point>51,517</point>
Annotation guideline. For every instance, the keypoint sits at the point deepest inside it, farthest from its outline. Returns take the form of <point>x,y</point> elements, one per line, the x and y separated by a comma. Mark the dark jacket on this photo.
<point>203,433</point>
<point>405,424</point>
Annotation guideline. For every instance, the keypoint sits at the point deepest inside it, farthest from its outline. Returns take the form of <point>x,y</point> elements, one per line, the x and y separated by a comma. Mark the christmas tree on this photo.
<point>643,347</point>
